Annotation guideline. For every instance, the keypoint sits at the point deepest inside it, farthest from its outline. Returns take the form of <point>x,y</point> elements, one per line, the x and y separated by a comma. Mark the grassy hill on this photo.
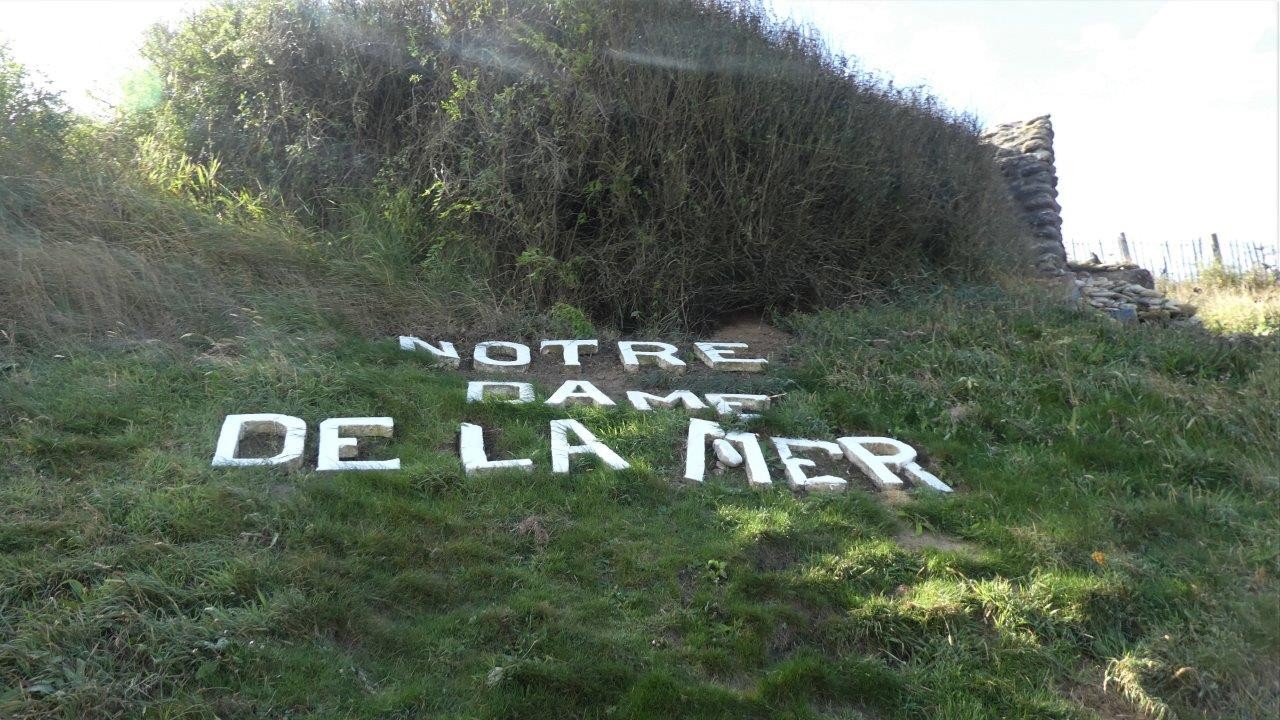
<point>1110,550</point>
<point>1114,522</point>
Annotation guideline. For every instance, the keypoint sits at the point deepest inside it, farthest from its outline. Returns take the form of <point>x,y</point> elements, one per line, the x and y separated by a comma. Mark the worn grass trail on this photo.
<point>1115,519</point>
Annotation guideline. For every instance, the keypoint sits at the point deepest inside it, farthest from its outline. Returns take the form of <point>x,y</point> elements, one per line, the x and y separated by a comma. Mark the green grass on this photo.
<point>1115,519</point>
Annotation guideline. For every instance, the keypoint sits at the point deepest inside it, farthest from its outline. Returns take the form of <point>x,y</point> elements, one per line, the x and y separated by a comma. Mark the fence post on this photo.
<point>1217,249</point>
<point>1124,249</point>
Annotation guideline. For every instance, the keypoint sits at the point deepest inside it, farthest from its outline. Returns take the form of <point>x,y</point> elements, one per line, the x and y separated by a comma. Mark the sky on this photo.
<point>1165,113</point>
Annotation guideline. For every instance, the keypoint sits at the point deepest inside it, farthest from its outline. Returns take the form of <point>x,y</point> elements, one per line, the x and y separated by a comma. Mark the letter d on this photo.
<point>236,427</point>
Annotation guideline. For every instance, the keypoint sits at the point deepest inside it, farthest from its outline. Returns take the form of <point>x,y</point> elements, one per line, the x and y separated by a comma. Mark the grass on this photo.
<point>1111,548</point>
<point>1232,302</point>
<point>99,251</point>
<point>1115,521</point>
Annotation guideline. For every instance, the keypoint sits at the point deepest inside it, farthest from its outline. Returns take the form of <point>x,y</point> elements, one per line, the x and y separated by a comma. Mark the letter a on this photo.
<point>561,450</point>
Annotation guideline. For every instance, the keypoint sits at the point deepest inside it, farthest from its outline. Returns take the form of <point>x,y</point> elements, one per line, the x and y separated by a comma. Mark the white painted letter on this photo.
<point>570,349</point>
<point>334,446</point>
<point>236,427</point>
<point>716,355</point>
<point>518,392</point>
<point>878,467</point>
<point>795,466</point>
<point>578,391</point>
<point>695,458</point>
<point>518,363</point>
<point>446,354</point>
<point>664,356</point>
<point>561,450</point>
<point>924,477</point>
<point>474,459</point>
<point>644,401</point>
<point>731,404</point>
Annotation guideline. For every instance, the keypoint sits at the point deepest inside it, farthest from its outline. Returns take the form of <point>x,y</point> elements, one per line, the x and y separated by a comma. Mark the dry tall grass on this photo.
<point>453,167</point>
<point>657,163</point>
<point>101,255</point>
<point>1232,302</point>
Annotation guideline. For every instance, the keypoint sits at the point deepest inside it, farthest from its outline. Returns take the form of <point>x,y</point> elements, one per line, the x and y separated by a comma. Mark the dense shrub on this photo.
<point>34,122</point>
<point>657,163</point>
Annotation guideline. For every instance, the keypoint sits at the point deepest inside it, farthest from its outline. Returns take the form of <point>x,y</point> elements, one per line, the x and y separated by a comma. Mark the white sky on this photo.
<point>1165,112</point>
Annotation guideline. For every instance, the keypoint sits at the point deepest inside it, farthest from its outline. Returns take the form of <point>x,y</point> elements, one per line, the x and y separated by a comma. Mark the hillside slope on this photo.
<point>1110,550</point>
<point>1113,525</point>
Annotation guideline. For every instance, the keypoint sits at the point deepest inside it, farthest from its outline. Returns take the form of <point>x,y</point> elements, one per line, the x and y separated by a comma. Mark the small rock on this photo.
<point>727,453</point>
<point>1125,315</point>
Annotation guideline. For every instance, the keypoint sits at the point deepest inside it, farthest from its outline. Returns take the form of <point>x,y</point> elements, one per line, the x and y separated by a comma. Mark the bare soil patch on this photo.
<point>912,540</point>
<point>1108,706</point>
<point>604,368</point>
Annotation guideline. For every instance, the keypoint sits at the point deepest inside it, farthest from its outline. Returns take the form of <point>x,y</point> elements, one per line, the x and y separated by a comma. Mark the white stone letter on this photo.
<point>518,392</point>
<point>717,356</point>
<point>570,349</point>
<point>664,356</point>
<point>483,361</point>
<point>645,401</point>
<point>878,457</point>
<point>474,459</point>
<point>446,354</point>
<point>561,450</point>
<point>578,391</point>
<point>236,427</point>
<point>334,446</point>
<point>795,466</point>
<point>923,477</point>
<point>733,404</point>
<point>695,458</point>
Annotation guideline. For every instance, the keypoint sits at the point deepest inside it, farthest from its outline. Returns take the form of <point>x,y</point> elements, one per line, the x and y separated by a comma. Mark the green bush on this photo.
<point>34,122</point>
<point>654,163</point>
<point>568,321</point>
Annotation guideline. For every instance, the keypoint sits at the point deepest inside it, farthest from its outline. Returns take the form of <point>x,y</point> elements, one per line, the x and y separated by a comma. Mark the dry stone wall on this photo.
<point>1126,292</point>
<point>1024,153</point>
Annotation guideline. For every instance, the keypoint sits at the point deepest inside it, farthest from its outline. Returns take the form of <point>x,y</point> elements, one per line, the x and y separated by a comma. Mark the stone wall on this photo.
<point>1126,292</point>
<point>1024,153</point>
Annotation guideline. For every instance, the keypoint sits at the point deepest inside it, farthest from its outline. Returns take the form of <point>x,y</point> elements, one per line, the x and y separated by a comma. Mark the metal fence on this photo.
<point>1180,260</point>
